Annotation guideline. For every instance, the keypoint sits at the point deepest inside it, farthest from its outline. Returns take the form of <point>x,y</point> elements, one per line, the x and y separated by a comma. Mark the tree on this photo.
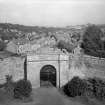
<point>92,43</point>
<point>65,45</point>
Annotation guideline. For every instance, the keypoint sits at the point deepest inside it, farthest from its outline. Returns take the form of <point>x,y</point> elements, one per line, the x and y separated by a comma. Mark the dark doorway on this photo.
<point>48,76</point>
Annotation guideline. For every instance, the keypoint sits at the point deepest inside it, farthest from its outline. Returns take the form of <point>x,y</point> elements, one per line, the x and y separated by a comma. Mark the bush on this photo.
<point>98,87</point>
<point>23,88</point>
<point>76,87</point>
<point>91,87</point>
<point>9,85</point>
<point>66,89</point>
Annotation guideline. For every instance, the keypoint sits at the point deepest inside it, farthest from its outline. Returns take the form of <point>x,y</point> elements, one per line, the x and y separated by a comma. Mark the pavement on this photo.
<point>40,96</point>
<point>51,96</point>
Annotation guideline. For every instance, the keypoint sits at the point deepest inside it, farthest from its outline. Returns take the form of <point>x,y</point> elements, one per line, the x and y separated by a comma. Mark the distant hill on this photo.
<point>28,28</point>
<point>37,28</point>
<point>8,30</point>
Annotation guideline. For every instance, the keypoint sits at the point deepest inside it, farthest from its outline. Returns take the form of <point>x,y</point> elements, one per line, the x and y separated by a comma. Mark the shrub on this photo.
<point>98,87</point>
<point>9,85</point>
<point>23,88</point>
<point>76,87</point>
<point>91,87</point>
<point>66,89</point>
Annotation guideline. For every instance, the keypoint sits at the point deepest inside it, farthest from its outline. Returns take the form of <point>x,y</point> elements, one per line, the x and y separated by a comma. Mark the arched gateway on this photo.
<point>48,75</point>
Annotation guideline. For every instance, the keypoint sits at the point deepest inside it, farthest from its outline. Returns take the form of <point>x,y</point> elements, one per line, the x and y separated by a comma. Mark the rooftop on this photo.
<point>6,54</point>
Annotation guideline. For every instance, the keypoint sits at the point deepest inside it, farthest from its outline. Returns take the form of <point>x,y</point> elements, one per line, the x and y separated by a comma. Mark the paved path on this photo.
<point>48,96</point>
<point>40,96</point>
<point>51,96</point>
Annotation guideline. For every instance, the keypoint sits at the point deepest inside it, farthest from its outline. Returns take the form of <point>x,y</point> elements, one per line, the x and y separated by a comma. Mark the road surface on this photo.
<point>40,96</point>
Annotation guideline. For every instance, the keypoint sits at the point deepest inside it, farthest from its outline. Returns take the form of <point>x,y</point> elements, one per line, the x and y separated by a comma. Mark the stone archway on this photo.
<point>48,76</point>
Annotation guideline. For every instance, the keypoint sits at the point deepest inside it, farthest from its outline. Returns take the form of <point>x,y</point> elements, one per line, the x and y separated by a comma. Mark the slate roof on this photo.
<point>6,54</point>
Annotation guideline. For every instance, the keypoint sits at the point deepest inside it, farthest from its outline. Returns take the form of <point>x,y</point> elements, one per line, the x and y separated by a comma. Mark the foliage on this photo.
<point>9,85</point>
<point>98,87</point>
<point>76,36</point>
<point>65,45</point>
<point>92,43</point>
<point>91,87</point>
<point>75,87</point>
<point>66,89</point>
<point>23,88</point>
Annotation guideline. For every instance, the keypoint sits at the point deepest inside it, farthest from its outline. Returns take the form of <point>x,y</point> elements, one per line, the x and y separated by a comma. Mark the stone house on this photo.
<point>12,47</point>
<point>34,45</point>
<point>17,45</point>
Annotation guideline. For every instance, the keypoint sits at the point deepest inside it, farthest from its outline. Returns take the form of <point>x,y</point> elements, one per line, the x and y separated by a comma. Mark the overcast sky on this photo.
<point>52,12</point>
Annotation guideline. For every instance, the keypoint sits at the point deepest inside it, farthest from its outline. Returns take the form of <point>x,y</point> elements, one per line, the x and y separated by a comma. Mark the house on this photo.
<point>12,46</point>
<point>34,45</point>
<point>17,45</point>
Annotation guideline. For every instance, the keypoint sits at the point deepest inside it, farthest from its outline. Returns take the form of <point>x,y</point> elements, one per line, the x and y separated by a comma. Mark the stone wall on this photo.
<point>95,66</point>
<point>87,66</point>
<point>36,62</point>
<point>94,60</point>
<point>67,66</point>
<point>11,66</point>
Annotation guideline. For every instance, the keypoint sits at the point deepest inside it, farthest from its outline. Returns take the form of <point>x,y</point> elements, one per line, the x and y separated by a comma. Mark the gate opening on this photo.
<point>48,76</point>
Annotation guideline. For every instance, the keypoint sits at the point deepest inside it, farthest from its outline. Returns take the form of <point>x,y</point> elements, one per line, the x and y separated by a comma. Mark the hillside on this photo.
<point>8,30</point>
<point>28,28</point>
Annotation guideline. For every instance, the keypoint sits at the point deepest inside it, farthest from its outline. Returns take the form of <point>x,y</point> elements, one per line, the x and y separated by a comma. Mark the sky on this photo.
<point>52,12</point>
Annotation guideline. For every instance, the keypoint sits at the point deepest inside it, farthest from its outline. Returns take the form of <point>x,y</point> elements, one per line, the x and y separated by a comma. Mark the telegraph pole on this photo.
<point>25,68</point>
<point>59,68</point>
